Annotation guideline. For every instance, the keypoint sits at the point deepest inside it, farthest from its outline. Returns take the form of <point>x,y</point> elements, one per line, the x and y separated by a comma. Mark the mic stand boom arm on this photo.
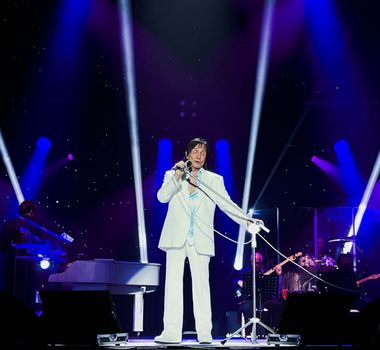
<point>257,222</point>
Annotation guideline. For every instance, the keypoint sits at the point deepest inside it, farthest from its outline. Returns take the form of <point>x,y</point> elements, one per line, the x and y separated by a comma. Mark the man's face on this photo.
<point>198,156</point>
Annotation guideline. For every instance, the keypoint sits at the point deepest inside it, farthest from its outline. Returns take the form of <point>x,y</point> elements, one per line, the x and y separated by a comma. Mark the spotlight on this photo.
<point>70,156</point>
<point>44,143</point>
<point>341,145</point>
<point>45,263</point>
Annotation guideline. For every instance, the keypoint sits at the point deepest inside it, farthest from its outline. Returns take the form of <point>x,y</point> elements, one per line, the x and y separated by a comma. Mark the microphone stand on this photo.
<point>186,169</point>
<point>254,320</point>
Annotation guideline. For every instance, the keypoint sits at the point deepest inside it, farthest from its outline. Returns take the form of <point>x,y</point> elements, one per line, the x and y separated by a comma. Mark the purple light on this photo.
<point>70,156</point>
<point>327,167</point>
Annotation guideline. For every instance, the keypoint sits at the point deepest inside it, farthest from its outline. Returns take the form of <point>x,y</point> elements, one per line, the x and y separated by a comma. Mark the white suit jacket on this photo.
<point>177,221</point>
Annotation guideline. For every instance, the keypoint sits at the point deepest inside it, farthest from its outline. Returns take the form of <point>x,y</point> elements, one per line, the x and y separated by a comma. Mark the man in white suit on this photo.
<point>188,231</point>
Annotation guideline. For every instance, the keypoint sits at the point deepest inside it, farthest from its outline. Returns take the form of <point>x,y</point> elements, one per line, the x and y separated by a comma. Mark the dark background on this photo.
<point>195,61</point>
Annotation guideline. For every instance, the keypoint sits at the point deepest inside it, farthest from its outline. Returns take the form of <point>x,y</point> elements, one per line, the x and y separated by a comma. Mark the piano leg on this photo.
<point>138,311</point>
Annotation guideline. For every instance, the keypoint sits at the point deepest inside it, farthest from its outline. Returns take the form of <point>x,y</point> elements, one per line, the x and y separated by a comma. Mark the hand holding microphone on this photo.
<point>255,225</point>
<point>182,165</point>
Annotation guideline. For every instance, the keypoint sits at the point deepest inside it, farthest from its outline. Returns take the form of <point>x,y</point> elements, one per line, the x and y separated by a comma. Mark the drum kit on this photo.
<point>299,281</point>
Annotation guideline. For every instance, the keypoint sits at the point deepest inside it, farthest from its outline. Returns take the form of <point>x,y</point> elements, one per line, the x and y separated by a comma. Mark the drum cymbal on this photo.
<point>341,240</point>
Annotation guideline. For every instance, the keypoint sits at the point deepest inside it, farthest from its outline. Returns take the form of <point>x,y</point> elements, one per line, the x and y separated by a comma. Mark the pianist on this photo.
<point>188,233</point>
<point>16,232</point>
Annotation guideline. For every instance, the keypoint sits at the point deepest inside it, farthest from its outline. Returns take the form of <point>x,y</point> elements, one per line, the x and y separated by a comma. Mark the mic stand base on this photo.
<point>255,321</point>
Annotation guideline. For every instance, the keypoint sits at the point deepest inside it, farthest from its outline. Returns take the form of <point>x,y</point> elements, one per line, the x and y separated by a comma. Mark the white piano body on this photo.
<point>119,277</point>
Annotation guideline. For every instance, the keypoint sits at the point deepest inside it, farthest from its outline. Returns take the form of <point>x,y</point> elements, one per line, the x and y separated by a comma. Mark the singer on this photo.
<point>188,233</point>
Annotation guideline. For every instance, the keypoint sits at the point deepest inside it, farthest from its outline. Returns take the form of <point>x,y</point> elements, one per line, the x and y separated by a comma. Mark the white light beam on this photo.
<point>10,170</point>
<point>261,74</point>
<point>129,84</point>
<point>363,204</point>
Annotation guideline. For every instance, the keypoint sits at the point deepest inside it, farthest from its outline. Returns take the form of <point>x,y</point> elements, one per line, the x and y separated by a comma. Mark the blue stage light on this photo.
<point>44,143</point>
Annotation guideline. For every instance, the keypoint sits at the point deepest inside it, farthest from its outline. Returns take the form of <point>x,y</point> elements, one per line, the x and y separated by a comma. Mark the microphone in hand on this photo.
<point>256,225</point>
<point>185,165</point>
<point>253,228</point>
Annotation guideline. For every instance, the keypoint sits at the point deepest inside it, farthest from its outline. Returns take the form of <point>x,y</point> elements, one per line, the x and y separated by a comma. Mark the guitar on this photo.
<point>290,258</point>
<point>372,277</point>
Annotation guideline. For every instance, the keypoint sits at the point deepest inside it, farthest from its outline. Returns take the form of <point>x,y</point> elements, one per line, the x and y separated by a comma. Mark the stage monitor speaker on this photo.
<point>319,318</point>
<point>77,317</point>
<point>20,325</point>
<point>368,326</point>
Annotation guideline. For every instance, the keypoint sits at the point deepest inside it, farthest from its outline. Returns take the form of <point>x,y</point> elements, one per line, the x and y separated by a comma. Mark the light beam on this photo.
<point>363,204</point>
<point>130,89</point>
<point>261,74</point>
<point>10,170</point>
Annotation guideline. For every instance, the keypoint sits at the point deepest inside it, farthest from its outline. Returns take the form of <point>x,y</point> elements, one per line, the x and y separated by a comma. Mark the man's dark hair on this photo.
<point>27,206</point>
<point>195,142</point>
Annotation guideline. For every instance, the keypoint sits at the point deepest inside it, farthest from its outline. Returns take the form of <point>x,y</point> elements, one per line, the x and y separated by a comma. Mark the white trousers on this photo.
<point>173,309</point>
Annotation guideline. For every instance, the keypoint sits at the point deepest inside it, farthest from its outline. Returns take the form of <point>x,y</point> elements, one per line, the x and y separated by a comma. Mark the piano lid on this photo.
<point>109,271</point>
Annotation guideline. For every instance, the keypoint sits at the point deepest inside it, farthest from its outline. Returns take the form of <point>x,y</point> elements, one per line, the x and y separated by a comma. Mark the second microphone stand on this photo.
<point>254,321</point>
<point>252,229</point>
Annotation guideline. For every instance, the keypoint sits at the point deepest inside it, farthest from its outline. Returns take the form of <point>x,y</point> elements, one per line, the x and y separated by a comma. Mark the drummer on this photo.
<point>320,261</point>
<point>323,260</point>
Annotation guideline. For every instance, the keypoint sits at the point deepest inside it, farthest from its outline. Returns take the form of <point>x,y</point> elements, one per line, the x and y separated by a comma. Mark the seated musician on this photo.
<point>324,260</point>
<point>306,281</point>
<point>243,293</point>
<point>16,231</point>
<point>314,264</point>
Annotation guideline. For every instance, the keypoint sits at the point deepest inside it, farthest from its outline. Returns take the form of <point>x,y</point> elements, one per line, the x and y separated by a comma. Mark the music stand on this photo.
<point>343,279</point>
<point>267,286</point>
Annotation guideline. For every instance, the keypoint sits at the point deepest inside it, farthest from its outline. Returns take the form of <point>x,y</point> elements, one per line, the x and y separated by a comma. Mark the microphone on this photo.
<point>256,226</point>
<point>186,166</point>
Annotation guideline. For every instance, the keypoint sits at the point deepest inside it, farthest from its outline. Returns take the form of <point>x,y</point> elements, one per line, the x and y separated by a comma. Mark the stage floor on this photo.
<point>233,343</point>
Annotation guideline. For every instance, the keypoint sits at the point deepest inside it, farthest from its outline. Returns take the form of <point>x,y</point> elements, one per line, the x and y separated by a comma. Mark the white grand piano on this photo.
<point>119,277</point>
